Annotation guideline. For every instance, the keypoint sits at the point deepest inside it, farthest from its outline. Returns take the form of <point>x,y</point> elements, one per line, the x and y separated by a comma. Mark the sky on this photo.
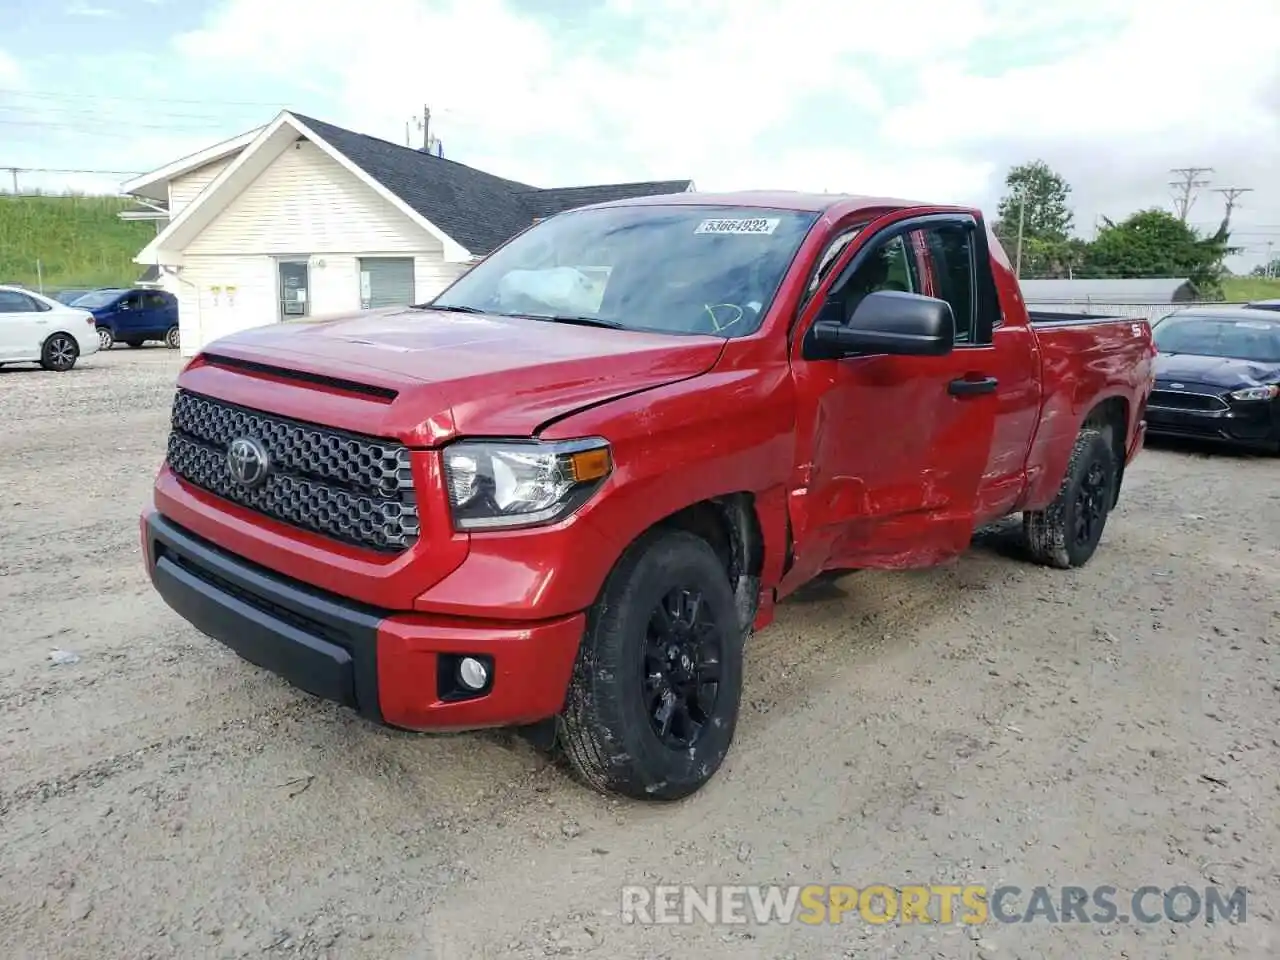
<point>932,100</point>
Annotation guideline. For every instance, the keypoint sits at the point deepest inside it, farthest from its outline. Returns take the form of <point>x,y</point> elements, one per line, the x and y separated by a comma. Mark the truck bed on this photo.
<point>1045,317</point>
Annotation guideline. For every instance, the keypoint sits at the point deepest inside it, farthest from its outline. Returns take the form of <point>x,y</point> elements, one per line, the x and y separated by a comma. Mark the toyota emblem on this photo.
<point>247,461</point>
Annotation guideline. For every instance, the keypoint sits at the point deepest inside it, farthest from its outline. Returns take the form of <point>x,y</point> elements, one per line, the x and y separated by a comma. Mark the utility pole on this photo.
<point>14,172</point>
<point>426,127</point>
<point>1231,193</point>
<point>1187,186</point>
<point>1022,219</point>
<point>1270,264</point>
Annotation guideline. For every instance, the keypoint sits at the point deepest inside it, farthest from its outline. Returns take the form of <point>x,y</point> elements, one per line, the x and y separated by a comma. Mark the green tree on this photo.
<point>1155,243</point>
<point>1038,196</point>
<point>1271,269</point>
<point>1044,197</point>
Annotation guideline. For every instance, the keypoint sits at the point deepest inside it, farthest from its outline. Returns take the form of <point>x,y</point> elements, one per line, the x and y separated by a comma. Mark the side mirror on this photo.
<point>887,321</point>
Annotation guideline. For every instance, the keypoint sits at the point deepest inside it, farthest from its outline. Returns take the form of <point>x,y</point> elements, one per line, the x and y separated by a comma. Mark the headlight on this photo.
<point>519,483</point>
<point>1256,393</point>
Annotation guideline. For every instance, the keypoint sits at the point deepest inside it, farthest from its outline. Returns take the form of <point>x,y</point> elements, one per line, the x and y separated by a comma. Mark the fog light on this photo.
<point>472,673</point>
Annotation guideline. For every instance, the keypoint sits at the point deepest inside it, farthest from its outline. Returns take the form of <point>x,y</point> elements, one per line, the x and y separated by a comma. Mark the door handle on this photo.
<point>969,388</point>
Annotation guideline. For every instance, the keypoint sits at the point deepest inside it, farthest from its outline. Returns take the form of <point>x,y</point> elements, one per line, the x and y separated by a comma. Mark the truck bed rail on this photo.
<point>1049,316</point>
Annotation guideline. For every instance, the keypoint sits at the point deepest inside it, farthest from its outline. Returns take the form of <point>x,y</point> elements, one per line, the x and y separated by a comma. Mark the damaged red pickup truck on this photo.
<point>563,494</point>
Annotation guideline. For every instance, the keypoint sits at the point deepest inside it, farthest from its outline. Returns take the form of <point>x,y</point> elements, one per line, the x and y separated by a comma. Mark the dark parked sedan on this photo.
<point>1218,377</point>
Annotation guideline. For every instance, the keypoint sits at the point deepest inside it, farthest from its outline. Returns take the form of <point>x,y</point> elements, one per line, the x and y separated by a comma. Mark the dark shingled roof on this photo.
<point>477,209</point>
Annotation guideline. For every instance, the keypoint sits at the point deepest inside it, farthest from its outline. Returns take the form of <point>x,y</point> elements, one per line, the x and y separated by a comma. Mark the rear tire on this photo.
<point>1066,533</point>
<point>644,717</point>
<point>59,353</point>
<point>106,339</point>
<point>173,338</point>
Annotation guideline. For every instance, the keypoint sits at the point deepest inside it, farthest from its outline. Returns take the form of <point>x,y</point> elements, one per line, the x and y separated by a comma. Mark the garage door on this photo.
<point>386,282</point>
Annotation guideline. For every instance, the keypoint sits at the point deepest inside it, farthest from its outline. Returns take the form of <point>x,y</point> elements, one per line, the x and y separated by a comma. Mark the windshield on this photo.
<point>1254,340</point>
<point>99,298</point>
<point>676,269</point>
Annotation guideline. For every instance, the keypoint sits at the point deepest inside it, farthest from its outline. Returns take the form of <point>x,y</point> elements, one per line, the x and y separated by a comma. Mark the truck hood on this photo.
<point>473,374</point>
<point>1225,372</point>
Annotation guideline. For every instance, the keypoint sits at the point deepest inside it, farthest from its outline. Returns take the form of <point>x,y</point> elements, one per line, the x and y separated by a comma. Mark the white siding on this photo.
<point>205,315</point>
<point>187,187</point>
<point>305,205</point>
<point>432,274</point>
<point>308,203</point>
<point>335,286</point>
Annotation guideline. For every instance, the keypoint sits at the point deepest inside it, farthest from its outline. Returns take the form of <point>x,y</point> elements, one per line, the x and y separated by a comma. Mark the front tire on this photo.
<point>1066,533</point>
<point>59,353</point>
<point>106,339</point>
<point>653,703</point>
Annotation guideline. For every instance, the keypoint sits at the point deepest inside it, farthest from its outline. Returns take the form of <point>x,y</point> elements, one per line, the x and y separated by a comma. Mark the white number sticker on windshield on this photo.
<point>754,225</point>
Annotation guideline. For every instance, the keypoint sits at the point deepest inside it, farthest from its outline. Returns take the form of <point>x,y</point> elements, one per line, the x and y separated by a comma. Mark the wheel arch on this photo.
<point>1111,416</point>
<point>730,524</point>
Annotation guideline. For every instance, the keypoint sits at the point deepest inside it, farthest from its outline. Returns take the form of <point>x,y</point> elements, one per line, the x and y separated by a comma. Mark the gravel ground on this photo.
<point>989,722</point>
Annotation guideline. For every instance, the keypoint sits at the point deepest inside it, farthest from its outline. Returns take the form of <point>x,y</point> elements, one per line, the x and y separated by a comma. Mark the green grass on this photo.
<point>77,240</point>
<point>1251,288</point>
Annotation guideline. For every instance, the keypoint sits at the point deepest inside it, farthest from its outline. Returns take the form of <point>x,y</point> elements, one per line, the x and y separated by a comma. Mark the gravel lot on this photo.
<point>988,722</point>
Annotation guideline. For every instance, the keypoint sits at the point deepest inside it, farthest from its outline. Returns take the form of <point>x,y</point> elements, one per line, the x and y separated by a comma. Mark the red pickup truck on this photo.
<point>562,495</point>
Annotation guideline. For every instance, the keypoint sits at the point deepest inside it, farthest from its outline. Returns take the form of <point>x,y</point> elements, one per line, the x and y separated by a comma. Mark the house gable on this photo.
<point>469,212</point>
<point>184,189</point>
<point>155,184</point>
<point>281,134</point>
<point>306,202</point>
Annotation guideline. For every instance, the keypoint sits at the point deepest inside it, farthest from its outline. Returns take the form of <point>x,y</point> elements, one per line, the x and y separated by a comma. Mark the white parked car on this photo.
<point>38,329</point>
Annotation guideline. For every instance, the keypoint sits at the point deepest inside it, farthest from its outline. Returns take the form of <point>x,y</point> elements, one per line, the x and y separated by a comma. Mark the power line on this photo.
<point>1187,185</point>
<point>105,173</point>
<point>122,127</point>
<point>117,115</point>
<point>81,98</point>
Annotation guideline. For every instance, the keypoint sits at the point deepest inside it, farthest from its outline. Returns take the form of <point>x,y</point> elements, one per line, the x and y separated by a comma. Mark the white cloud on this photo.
<point>931,101</point>
<point>81,9</point>
<point>10,71</point>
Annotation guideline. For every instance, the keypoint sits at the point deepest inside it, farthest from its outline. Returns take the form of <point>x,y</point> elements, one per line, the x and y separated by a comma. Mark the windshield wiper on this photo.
<point>451,308</point>
<point>580,321</point>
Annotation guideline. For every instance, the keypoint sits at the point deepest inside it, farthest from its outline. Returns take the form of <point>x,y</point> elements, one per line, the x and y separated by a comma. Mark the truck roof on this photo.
<point>840,203</point>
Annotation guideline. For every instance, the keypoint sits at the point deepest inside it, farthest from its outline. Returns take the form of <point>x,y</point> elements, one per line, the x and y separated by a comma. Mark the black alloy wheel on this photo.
<point>682,668</point>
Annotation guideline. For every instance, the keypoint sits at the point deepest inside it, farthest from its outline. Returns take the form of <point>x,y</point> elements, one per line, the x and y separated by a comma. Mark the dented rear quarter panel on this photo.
<point>1083,365</point>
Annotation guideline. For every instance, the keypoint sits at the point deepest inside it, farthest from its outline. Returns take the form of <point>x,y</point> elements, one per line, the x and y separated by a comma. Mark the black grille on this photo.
<point>353,488</point>
<point>1177,400</point>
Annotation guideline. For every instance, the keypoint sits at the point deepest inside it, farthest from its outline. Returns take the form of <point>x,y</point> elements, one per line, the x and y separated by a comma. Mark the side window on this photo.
<point>828,259</point>
<point>13,302</point>
<point>154,301</point>
<point>128,303</point>
<point>951,261</point>
<point>891,266</point>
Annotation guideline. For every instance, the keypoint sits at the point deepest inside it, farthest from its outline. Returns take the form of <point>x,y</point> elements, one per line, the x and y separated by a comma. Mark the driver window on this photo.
<point>892,266</point>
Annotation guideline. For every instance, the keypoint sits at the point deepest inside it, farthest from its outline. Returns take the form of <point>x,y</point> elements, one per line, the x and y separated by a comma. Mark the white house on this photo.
<point>302,219</point>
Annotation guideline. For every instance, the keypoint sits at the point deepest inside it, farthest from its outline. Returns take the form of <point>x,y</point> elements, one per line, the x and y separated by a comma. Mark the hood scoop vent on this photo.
<point>269,371</point>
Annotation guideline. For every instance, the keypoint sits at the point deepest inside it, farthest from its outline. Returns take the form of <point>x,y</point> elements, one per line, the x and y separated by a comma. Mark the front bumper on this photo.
<point>392,668</point>
<point>1244,422</point>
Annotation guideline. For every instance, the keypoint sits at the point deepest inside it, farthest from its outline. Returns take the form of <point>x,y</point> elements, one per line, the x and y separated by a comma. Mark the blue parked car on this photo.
<point>133,316</point>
